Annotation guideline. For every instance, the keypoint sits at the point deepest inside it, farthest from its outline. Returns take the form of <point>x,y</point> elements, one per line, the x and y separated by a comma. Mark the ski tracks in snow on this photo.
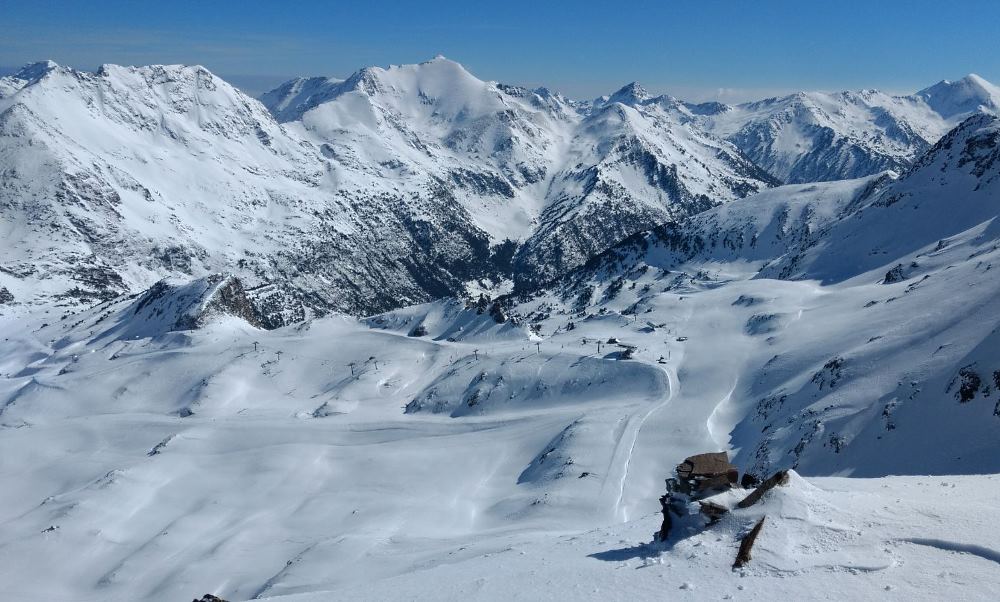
<point>634,437</point>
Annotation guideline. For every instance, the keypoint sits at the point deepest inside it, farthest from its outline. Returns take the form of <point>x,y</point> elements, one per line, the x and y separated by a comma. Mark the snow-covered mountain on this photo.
<point>117,178</point>
<point>816,136</point>
<point>871,306</point>
<point>211,432</point>
<point>566,179</point>
<point>391,187</point>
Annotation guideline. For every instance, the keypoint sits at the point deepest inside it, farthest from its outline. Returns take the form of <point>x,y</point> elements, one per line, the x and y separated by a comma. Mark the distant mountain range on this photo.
<point>393,186</point>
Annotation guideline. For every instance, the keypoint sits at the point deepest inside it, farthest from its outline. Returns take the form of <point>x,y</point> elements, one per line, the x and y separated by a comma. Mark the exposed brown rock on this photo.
<point>708,471</point>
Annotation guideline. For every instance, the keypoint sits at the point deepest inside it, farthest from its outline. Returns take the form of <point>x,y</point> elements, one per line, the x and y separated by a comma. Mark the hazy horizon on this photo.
<point>729,51</point>
<point>258,84</point>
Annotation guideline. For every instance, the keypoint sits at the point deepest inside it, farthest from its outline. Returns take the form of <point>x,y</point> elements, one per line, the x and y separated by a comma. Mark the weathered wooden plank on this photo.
<point>778,478</point>
<point>743,556</point>
<point>667,521</point>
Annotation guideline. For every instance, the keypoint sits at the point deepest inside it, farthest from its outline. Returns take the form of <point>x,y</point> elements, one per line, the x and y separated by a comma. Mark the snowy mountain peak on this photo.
<point>288,101</point>
<point>971,93</point>
<point>175,100</point>
<point>629,94</point>
<point>365,81</point>
<point>975,80</point>
<point>37,70</point>
<point>708,108</point>
<point>437,78</point>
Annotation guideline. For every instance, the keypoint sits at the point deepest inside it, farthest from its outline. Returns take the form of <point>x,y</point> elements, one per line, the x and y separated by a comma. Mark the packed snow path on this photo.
<point>634,438</point>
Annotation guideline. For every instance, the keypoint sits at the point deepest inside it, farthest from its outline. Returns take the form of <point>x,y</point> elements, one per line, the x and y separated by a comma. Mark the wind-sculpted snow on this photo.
<point>862,539</point>
<point>490,386</point>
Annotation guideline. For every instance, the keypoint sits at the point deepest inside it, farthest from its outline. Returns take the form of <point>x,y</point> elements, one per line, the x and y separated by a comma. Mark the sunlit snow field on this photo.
<point>160,465</point>
<point>671,298</point>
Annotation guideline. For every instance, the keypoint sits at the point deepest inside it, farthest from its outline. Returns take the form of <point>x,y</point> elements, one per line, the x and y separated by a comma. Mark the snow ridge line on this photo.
<point>957,547</point>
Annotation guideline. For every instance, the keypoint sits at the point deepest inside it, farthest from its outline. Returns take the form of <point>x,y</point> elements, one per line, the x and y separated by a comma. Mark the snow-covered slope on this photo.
<point>822,538</point>
<point>950,195</point>
<point>816,136</point>
<point>869,308</point>
<point>437,454</point>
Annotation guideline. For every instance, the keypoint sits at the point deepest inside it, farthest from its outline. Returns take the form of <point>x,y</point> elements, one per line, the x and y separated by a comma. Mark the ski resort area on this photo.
<point>412,334</point>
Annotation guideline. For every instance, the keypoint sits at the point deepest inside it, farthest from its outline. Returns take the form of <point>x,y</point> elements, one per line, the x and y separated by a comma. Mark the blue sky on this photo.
<point>729,49</point>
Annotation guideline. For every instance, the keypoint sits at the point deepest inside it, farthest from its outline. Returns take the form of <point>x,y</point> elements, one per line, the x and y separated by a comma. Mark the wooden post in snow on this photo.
<point>667,521</point>
<point>743,556</point>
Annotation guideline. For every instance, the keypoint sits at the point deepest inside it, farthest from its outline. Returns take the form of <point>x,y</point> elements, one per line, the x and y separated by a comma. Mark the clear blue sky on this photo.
<point>694,49</point>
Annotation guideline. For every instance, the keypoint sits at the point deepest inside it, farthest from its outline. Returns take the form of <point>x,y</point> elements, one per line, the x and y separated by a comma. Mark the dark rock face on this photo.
<point>707,471</point>
<point>175,307</point>
<point>231,298</point>
<point>968,381</point>
<point>6,298</point>
<point>894,275</point>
